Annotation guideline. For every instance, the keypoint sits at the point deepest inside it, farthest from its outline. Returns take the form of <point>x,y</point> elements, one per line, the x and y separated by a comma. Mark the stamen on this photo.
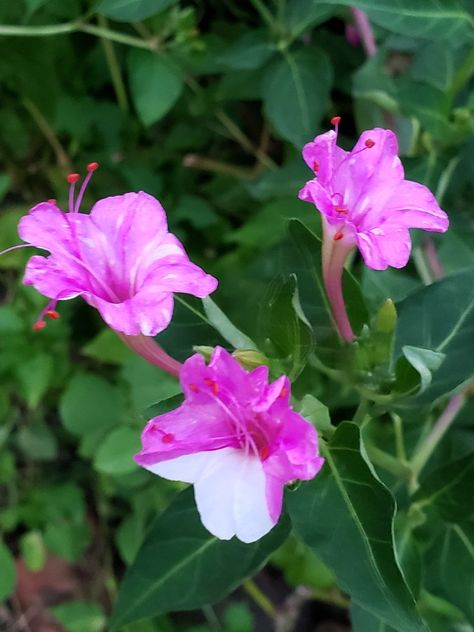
<point>40,324</point>
<point>339,235</point>
<point>341,209</point>
<point>72,178</point>
<point>4,252</point>
<point>52,313</point>
<point>52,201</point>
<point>168,437</point>
<point>335,120</point>
<point>91,167</point>
<point>283,393</point>
<point>264,453</point>
<point>193,388</point>
<point>369,143</point>
<point>315,166</point>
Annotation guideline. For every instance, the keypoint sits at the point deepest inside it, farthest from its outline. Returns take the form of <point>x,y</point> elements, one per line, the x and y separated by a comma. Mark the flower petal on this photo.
<point>52,279</point>
<point>45,226</point>
<point>385,246</point>
<point>323,156</point>
<point>183,277</point>
<point>414,206</point>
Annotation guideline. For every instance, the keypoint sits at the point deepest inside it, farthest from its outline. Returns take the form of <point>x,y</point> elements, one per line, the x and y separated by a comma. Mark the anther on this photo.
<point>52,313</point>
<point>39,325</point>
<point>369,143</point>
<point>168,437</point>
<point>283,393</point>
<point>52,201</point>
<point>92,166</point>
<point>339,235</point>
<point>341,209</point>
<point>264,452</point>
<point>72,178</point>
<point>315,166</point>
<point>193,388</point>
<point>214,386</point>
<point>335,120</point>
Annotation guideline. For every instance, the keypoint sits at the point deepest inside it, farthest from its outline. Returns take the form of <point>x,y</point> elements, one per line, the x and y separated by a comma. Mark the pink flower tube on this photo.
<point>237,440</point>
<point>365,201</point>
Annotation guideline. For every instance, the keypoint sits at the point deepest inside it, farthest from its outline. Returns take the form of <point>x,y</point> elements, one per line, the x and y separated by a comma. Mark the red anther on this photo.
<point>52,201</point>
<point>335,120</point>
<point>341,209</point>
<point>283,393</point>
<point>214,385</point>
<point>167,438</point>
<point>339,235</point>
<point>193,388</point>
<point>52,313</point>
<point>73,177</point>
<point>39,325</point>
<point>92,166</point>
<point>315,166</point>
<point>264,452</point>
<point>369,143</point>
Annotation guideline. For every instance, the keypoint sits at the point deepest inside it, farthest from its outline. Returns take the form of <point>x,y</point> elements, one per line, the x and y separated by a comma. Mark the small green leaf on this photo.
<point>8,572</point>
<point>115,454</point>
<point>346,515</point>
<point>90,403</point>
<point>154,84</point>
<point>33,550</point>
<point>225,327</point>
<point>250,51</point>
<point>132,10</point>
<point>107,347</point>
<point>175,569</point>
<point>317,413</point>
<point>285,325</point>
<point>79,616</point>
<point>34,375</point>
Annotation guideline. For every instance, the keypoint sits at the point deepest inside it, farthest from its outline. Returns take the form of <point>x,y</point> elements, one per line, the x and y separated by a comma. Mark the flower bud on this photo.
<point>250,358</point>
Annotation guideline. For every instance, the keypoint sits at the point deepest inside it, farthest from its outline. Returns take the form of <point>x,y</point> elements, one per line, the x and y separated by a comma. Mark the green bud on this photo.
<point>206,352</point>
<point>386,319</point>
<point>250,358</point>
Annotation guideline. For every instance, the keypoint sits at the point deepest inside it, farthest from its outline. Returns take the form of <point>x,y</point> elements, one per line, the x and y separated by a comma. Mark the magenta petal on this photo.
<point>414,206</point>
<point>45,226</point>
<point>52,279</point>
<point>187,278</point>
<point>385,246</point>
<point>323,156</point>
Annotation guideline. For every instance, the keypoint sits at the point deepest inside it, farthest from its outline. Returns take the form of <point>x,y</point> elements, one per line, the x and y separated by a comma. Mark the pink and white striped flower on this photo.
<point>237,440</point>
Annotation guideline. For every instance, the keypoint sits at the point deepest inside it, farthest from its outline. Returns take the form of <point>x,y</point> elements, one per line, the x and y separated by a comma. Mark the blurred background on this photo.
<point>205,105</point>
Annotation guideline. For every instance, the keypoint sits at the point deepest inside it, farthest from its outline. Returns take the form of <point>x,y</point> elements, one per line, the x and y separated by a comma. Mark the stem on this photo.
<point>438,431</point>
<point>61,156</point>
<point>259,598</point>
<point>432,260</point>
<point>361,412</point>
<point>264,13</point>
<point>422,266</point>
<point>333,257</point>
<point>150,350</point>
<point>463,74</point>
<point>114,67</point>
<point>399,440</point>
<point>388,463</point>
<point>365,31</point>
<point>215,166</point>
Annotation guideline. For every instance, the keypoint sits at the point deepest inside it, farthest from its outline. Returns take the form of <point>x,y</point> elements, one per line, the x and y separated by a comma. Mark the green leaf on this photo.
<point>107,347</point>
<point>154,84</point>
<point>363,621</point>
<point>132,10</point>
<point>148,383</point>
<point>346,515</point>
<point>455,553</point>
<point>316,412</point>
<point>449,490</point>
<point>301,15</point>
<point>285,326</point>
<point>434,64</point>
<point>34,375</point>
<point>33,551</point>
<point>38,442</point>
<point>175,569</point>
<point>225,327</point>
<point>78,616</point>
<point>8,572</point>
<point>115,453</point>
<point>440,317</point>
<point>295,93</point>
<point>424,361</point>
<point>90,403</point>
<point>250,51</point>
<point>430,19</point>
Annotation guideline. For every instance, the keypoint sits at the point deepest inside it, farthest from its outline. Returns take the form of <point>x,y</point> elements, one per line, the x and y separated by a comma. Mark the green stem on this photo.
<point>114,67</point>
<point>389,463</point>
<point>399,439</point>
<point>259,598</point>
<point>463,74</point>
<point>61,156</point>
<point>428,445</point>
<point>265,13</point>
<point>361,411</point>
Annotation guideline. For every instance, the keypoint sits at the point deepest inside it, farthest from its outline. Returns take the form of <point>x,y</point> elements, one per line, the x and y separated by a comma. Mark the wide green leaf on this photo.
<point>132,10</point>
<point>295,93</point>
<point>432,19</point>
<point>346,515</point>
<point>181,566</point>
<point>154,84</point>
<point>363,621</point>
<point>440,317</point>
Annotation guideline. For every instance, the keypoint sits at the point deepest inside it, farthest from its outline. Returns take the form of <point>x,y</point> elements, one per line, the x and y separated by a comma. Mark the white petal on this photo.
<point>231,497</point>
<point>230,491</point>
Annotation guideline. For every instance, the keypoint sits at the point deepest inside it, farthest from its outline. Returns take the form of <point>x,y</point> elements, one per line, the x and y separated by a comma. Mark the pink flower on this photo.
<point>237,439</point>
<point>364,198</point>
<point>120,258</point>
